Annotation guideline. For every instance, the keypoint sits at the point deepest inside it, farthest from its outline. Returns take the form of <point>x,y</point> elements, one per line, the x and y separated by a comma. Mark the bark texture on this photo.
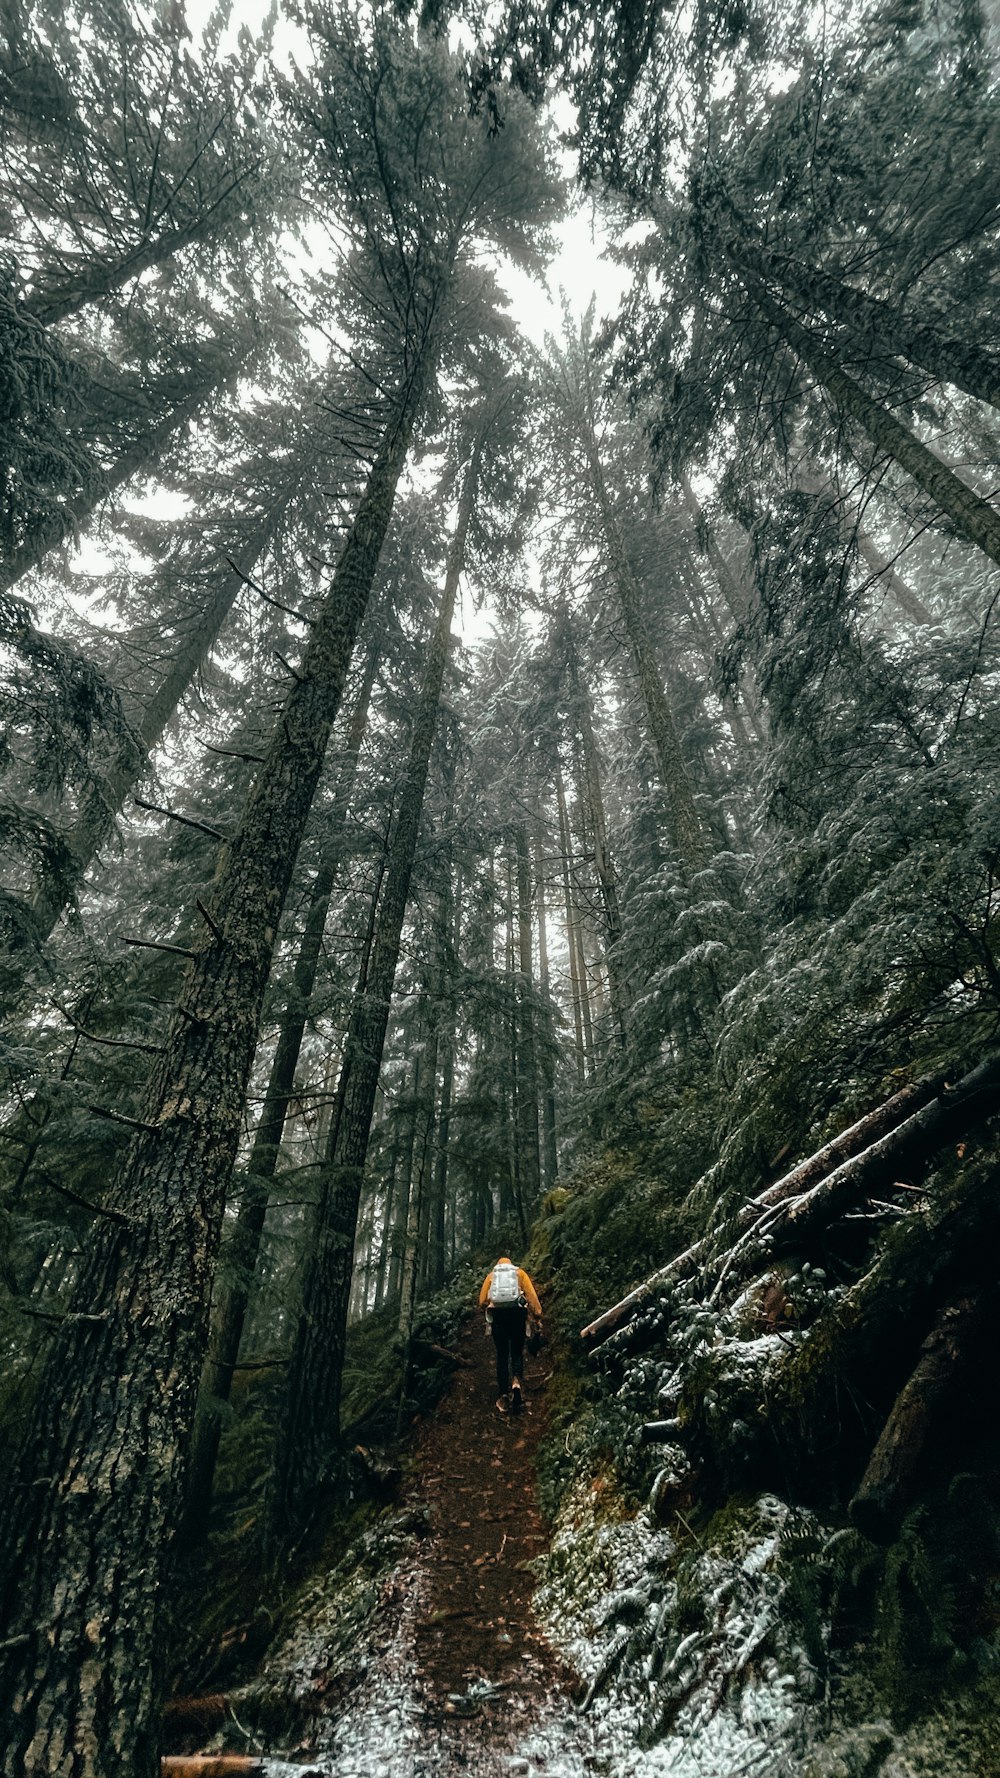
<point>885,1487</point>
<point>85,1551</point>
<point>310,1423</point>
<point>233,1298</point>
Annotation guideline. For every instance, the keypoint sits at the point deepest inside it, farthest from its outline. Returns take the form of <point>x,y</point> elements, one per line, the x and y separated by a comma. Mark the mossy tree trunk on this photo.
<point>310,1423</point>
<point>98,1492</point>
<point>243,1249</point>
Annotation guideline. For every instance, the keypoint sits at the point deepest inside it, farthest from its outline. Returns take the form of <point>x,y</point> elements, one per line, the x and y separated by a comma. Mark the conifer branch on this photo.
<point>268,599</point>
<point>213,925</point>
<point>256,759</point>
<point>66,1191</point>
<point>118,1117</point>
<point>290,669</point>
<point>185,820</point>
<point>115,1043</point>
<point>150,944</point>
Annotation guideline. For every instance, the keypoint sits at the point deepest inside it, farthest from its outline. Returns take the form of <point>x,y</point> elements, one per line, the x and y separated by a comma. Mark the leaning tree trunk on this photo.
<point>972,517</point>
<point>85,1553</point>
<point>57,302</point>
<point>310,1423</point>
<point>872,322</point>
<point>230,1307</point>
<point>812,482</point>
<point>904,595</point>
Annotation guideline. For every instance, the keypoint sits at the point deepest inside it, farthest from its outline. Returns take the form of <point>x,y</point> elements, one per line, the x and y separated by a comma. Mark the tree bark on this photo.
<point>550,1152</point>
<point>230,1308</point>
<point>606,879</point>
<point>576,986</point>
<point>85,1554</point>
<point>527,1069</point>
<point>310,1423</point>
<point>886,1485</point>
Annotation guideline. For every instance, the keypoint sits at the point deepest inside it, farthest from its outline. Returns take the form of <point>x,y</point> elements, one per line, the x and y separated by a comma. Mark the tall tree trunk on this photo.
<point>513,1200</point>
<point>112,1419</point>
<point>972,517</point>
<point>735,595</point>
<point>424,1091</point>
<point>592,792</point>
<point>550,1152</point>
<point>230,1306</point>
<point>873,322</point>
<point>451,918</point>
<point>388,1211</point>
<point>527,1069</point>
<point>572,945</point>
<point>310,1426</point>
<point>688,834</point>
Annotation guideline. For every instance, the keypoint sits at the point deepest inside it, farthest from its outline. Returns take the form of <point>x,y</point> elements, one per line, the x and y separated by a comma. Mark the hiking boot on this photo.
<point>515,1396</point>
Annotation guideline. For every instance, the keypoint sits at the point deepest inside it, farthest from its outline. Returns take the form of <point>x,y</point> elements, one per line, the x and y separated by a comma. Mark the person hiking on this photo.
<point>507,1295</point>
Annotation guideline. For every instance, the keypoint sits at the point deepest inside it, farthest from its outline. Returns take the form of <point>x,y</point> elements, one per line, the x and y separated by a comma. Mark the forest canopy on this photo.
<point>500,680</point>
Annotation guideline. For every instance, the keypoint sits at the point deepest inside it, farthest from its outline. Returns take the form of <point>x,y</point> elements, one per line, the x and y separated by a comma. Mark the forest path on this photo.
<point>468,1684</point>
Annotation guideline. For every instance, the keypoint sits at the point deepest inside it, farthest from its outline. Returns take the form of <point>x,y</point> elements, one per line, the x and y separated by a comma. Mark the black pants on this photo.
<point>509,1325</point>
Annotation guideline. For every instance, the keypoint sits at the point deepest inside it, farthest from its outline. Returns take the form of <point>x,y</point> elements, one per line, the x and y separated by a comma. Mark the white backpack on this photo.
<point>505,1287</point>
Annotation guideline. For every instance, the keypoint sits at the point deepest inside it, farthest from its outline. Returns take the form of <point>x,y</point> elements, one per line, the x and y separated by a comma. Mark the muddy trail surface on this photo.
<point>467,1683</point>
<point>475,1474</point>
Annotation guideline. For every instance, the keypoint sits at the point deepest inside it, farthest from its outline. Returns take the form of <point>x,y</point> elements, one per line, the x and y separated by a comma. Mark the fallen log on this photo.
<point>807,1173</point>
<point>852,1141</point>
<point>785,1394</point>
<point>906,1152</point>
<point>884,1491</point>
<point>427,1351</point>
<point>661,1432</point>
<point>612,1318</point>
<point>224,1765</point>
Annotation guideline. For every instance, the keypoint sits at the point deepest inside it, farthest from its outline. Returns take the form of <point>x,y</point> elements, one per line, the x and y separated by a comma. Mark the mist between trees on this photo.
<point>334,943</point>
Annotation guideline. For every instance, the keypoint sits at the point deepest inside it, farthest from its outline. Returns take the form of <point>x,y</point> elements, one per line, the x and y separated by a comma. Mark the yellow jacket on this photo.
<point>527,1288</point>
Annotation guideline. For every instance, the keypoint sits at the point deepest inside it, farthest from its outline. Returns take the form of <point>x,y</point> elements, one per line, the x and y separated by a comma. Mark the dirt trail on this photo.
<point>475,1472</point>
<point>452,1676</point>
<point>467,1685</point>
